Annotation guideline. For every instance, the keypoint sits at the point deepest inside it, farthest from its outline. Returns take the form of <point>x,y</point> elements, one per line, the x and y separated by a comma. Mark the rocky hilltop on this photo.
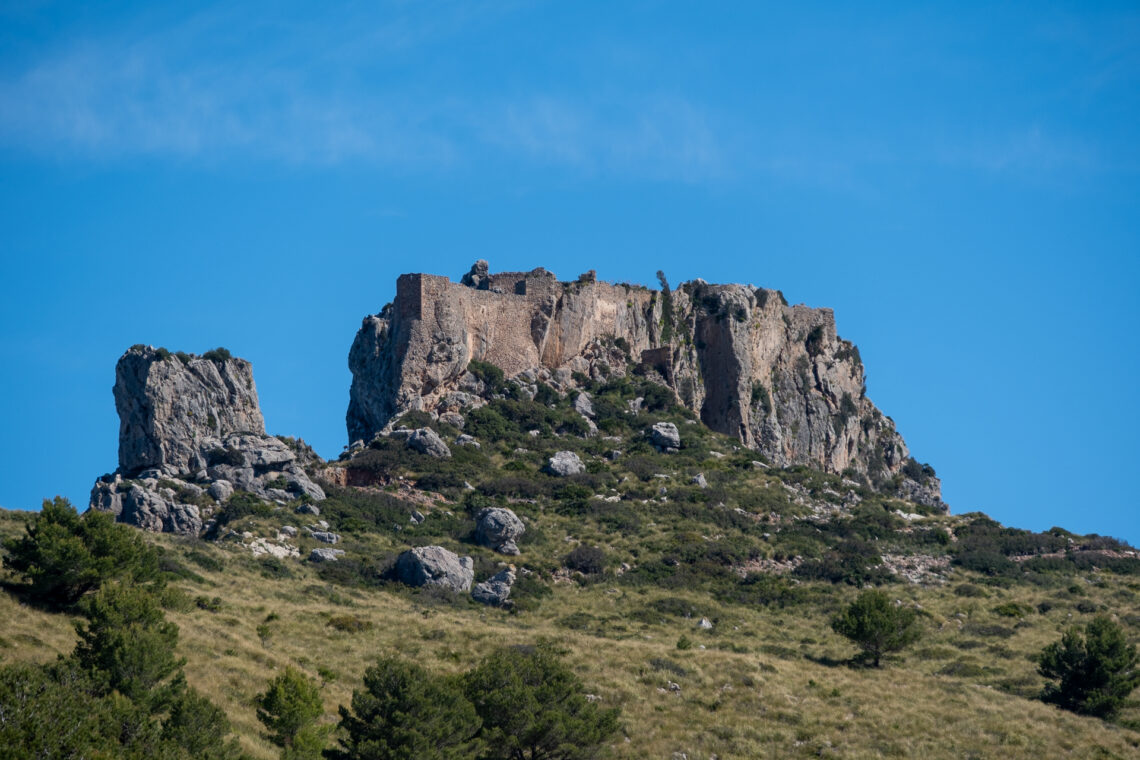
<point>190,434</point>
<point>777,377</point>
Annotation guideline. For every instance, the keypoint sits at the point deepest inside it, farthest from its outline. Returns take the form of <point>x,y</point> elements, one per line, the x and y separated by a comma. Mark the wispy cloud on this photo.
<point>1029,149</point>
<point>652,135</point>
<point>109,103</point>
<point>109,98</point>
<point>389,89</point>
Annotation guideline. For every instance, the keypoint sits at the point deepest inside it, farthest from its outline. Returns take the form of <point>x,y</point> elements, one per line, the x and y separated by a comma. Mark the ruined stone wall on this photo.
<point>777,377</point>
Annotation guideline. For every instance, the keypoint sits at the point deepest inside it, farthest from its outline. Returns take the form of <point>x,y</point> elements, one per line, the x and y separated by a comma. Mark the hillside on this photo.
<point>766,555</point>
<point>588,501</point>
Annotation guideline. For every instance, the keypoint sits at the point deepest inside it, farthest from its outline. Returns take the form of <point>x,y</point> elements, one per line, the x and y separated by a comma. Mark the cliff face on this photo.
<point>777,377</point>
<point>168,407</point>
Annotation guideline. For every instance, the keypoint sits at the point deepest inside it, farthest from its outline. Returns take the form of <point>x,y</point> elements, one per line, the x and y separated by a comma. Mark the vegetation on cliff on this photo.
<point>674,592</point>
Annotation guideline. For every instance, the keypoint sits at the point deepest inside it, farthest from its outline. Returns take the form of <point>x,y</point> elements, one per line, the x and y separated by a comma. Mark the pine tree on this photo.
<point>405,712</point>
<point>534,708</point>
<point>1095,672</point>
<point>289,708</point>
<point>877,625</point>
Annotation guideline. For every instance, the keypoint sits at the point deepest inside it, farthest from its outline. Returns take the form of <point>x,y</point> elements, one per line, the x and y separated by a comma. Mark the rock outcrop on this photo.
<point>499,528</point>
<point>777,377</point>
<point>495,590</point>
<point>665,437</point>
<point>191,434</point>
<point>564,464</point>
<point>435,566</point>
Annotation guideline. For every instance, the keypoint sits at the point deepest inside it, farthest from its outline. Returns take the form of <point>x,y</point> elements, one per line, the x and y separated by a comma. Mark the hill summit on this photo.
<point>777,377</point>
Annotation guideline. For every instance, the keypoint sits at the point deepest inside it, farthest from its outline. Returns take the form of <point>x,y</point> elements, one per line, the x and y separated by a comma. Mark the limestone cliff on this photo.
<point>168,406</point>
<point>777,377</point>
<point>190,434</point>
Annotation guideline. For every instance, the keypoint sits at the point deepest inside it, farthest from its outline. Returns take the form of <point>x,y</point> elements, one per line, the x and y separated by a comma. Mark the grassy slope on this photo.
<point>766,681</point>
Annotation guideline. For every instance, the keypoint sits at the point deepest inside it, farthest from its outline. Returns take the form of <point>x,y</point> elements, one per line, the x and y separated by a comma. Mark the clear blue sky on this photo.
<point>960,182</point>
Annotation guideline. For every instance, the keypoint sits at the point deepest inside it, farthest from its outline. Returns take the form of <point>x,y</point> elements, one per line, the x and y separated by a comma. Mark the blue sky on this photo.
<point>961,183</point>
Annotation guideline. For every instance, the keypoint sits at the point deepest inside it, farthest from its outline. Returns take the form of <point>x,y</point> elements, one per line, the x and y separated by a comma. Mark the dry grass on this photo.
<point>763,683</point>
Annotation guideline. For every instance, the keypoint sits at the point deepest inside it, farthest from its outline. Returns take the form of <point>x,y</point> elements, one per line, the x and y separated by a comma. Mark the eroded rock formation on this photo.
<point>191,433</point>
<point>777,377</point>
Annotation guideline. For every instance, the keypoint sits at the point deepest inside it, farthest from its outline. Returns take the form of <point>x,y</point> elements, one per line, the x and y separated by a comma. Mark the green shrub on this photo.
<point>1094,671</point>
<point>208,604</point>
<point>198,728</point>
<point>53,711</point>
<point>814,341</point>
<point>218,354</point>
<point>490,374</point>
<point>349,623</point>
<point>220,455</point>
<point>589,560</point>
<point>1013,609</point>
<point>242,504</point>
<point>852,561</point>
<point>664,664</point>
<point>206,561</point>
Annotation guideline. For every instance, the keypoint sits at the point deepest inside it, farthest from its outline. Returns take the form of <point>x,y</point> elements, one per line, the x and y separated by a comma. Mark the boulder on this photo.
<point>262,547</point>
<point>565,463</point>
<point>435,566</point>
<point>455,419</point>
<point>427,441</point>
<point>307,509</point>
<point>665,436</point>
<point>325,536</point>
<point>499,528</point>
<point>220,490</point>
<point>495,590</point>
<point>467,440</point>
<point>325,555</point>
<point>301,485</point>
<point>583,405</point>
<point>699,480</point>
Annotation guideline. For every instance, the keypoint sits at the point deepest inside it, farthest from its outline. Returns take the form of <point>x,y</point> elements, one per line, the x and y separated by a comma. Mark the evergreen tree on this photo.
<point>53,711</point>
<point>404,712</point>
<point>534,708</point>
<point>64,555</point>
<point>199,728</point>
<point>127,646</point>
<point>877,625</point>
<point>289,708</point>
<point>1095,672</point>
